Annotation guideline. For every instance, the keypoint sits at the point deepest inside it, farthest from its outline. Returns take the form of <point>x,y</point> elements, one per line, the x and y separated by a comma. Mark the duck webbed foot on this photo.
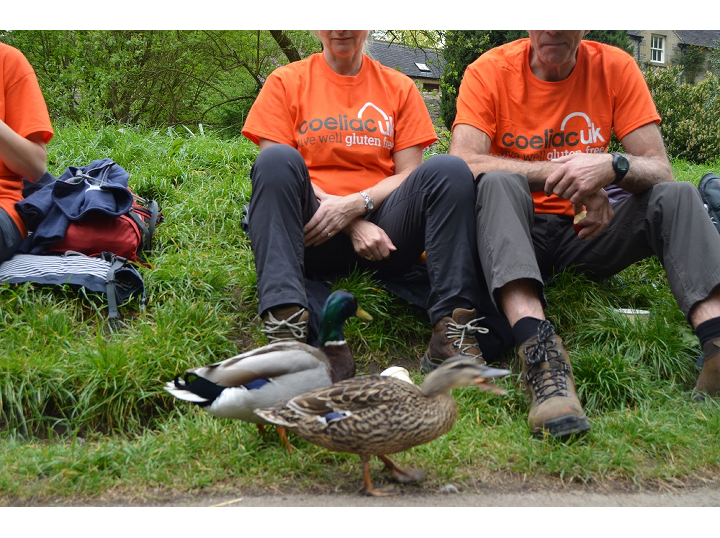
<point>375,491</point>
<point>403,475</point>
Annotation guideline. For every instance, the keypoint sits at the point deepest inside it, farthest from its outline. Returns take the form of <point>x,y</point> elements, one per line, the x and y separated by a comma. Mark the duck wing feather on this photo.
<point>268,362</point>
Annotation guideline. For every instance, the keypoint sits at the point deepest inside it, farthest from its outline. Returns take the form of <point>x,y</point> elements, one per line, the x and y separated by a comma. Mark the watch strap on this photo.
<point>368,201</point>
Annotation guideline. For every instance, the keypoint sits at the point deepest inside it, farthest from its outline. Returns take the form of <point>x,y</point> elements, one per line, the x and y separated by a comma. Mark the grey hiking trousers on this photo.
<point>667,220</point>
<point>431,211</point>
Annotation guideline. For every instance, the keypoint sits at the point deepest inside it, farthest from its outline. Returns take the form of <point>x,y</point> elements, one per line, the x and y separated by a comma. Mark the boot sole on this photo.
<point>563,427</point>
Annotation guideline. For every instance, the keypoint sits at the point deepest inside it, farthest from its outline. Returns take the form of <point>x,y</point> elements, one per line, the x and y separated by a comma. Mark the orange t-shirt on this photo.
<point>23,109</point>
<point>531,119</point>
<point>345,127</point>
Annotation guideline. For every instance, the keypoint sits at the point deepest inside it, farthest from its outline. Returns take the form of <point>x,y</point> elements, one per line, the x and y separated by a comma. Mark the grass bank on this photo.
<point>83,414</point>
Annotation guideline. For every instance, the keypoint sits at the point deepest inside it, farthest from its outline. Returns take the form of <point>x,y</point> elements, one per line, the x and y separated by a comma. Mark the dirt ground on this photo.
<point>491,491</point>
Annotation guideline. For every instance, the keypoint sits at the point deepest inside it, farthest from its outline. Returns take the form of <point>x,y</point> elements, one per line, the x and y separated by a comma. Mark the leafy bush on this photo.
<point>153,78</point>
<point>690,114</point>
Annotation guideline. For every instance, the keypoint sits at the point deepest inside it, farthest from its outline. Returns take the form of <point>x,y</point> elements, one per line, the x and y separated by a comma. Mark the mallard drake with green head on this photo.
<point>272,374</point>
<point>376,415</point>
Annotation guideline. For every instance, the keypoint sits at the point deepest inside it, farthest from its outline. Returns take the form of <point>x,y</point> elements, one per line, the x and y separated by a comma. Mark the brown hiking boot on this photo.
<point>708,382</point>
<point>549,381</point>
<point>286,323</point>
<point>453,336</point>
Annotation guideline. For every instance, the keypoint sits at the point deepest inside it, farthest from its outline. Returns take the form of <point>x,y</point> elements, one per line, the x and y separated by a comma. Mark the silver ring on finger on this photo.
<point>326,232</point>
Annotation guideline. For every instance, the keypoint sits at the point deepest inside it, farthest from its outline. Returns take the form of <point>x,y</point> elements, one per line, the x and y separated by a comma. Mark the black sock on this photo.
<point>525,329</point>
<point>708,330</point>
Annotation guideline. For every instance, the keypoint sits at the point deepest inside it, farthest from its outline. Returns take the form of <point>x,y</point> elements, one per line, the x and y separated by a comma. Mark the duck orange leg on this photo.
<point>283,438</point>
<point>281,434</point>
<point>368,488</point>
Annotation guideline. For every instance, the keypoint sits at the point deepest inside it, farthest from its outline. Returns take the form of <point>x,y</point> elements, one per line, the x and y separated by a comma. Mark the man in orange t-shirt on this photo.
<point>340,183</point>
<point>534,119</point>
<point>25,129</point>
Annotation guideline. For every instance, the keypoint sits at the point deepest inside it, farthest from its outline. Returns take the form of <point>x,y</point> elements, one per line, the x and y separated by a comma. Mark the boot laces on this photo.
<point>458,333</point>
<point>551,380</point>
<point>292,328</point>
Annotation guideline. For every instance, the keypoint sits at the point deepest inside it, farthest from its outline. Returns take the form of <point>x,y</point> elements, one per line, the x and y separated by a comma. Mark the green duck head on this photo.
<point>339,307</point>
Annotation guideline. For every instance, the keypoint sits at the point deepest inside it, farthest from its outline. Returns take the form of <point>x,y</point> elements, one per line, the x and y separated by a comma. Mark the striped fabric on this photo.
<point>110,275</point>
<point>80,270</point>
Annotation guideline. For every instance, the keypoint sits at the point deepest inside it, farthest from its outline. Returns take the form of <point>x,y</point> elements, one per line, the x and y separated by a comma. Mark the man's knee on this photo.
<point>676,194</point>
<point>491,185</point>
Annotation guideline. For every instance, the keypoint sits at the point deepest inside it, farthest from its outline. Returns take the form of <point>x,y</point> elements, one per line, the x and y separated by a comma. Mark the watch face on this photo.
<point>622,163</point>
<point>621,166</point>
<point>369,204</point>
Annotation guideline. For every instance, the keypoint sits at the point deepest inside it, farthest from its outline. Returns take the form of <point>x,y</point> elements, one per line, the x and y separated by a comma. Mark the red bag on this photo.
<point>128,236</point>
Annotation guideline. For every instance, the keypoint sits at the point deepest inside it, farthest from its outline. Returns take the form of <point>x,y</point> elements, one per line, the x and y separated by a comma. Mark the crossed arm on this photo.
<point>579,177</point>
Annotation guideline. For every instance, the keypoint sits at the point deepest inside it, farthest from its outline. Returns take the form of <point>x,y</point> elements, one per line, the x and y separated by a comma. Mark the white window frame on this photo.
<point>657,49</point>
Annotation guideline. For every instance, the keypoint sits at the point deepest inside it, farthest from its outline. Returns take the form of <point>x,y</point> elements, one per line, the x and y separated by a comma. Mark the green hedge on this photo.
<point>690,114</point>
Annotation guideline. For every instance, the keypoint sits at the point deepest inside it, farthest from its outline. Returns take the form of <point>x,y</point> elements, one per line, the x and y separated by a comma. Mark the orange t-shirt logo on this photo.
<point>371,127</point>
<point>582,135</point>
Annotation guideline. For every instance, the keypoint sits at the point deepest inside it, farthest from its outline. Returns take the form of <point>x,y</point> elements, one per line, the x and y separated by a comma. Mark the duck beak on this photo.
<point>488,386</point>
<point>494,372</point>
<point>363,315</point>
<point>485,383</point>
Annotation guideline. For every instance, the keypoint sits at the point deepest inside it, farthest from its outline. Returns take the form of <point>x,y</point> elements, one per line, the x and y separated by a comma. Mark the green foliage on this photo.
<point>125,76</point>
<point>462,47</point>
<point>714,59</point>
<point>692,60</point>
<point>421,39</point>
<point>690,114</point>
<point>618,38</point>
<point>153,78</point>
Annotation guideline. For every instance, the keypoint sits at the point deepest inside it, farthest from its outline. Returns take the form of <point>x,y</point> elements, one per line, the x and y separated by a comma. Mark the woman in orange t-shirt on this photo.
<point>25,129</point>
<point>340,183</point>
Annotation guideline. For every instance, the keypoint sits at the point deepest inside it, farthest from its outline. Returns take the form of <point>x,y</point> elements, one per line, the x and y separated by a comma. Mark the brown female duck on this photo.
<point>376,415</point>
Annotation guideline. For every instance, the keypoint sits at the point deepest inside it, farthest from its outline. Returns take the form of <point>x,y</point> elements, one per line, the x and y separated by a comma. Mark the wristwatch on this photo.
<point>621,166</point>
<point>369,204</point>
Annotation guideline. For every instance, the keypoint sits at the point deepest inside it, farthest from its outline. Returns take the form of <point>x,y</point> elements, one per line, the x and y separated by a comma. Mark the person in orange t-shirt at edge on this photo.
<point>534,119</point>
<point>25,129</point>
<point>340,183</point>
